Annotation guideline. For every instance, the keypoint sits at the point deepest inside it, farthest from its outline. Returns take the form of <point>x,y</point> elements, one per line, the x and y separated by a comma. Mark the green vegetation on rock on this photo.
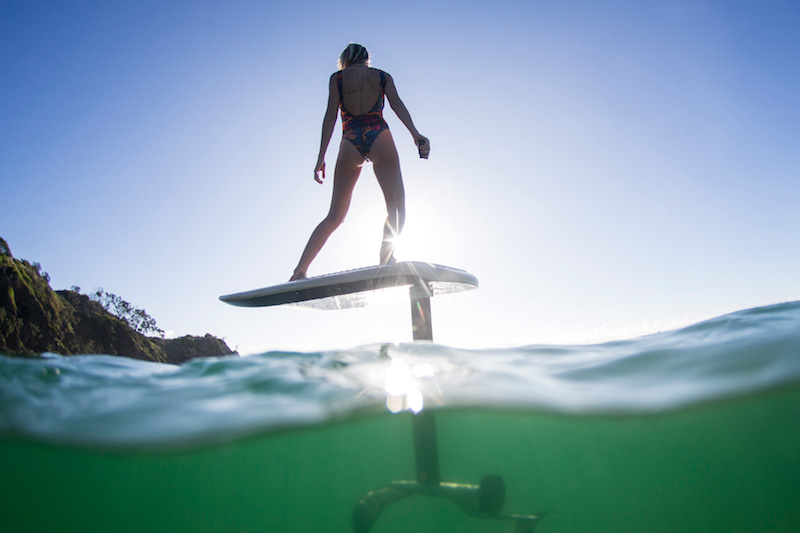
<point>4,250</point>
<point>34,318</point>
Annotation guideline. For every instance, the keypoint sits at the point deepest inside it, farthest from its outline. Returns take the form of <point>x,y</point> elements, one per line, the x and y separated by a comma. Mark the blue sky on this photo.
<point>606,169</point>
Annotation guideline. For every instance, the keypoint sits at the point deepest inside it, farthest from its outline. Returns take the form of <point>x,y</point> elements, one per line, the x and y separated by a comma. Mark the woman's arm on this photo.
<point>328,124</point>
<point>400,109</point>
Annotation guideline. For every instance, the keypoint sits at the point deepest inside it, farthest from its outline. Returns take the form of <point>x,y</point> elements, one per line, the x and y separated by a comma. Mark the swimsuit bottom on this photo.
<point>362,130</point>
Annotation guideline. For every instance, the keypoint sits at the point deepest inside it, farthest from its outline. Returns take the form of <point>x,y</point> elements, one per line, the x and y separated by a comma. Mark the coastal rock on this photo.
<point>34,318</point>
<point>189,347</point>
<point>98,331</point>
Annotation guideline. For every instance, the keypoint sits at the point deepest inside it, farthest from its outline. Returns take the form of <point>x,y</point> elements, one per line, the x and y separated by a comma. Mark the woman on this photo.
<point>359,91</point>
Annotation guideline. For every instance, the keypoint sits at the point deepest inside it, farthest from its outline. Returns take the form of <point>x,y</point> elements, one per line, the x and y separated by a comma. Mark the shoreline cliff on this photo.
<point>34,318</point>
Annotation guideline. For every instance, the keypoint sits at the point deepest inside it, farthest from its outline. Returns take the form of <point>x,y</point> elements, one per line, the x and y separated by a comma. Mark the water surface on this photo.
<point>691,430</point>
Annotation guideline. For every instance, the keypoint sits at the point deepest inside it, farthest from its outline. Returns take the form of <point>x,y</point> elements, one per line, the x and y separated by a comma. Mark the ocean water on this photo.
<point>691,430</point>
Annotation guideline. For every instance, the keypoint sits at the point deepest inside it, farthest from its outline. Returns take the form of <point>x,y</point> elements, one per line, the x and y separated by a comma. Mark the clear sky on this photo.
<point>606,169</point>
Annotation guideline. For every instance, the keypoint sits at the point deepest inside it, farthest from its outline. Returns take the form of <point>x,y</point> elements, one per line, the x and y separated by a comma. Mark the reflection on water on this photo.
<point>402,383</point>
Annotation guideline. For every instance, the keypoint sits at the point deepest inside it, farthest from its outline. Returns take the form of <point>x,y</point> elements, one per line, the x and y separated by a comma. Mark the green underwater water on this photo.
<point>730,465</point>
<point>690,430</point>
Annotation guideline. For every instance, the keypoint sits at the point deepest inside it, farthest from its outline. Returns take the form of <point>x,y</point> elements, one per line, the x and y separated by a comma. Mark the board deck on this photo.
<point>343,290</point>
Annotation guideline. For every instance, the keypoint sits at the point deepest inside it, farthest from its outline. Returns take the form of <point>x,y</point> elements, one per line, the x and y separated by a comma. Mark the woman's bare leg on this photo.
<point>386,165</point>
<point>348,168</point>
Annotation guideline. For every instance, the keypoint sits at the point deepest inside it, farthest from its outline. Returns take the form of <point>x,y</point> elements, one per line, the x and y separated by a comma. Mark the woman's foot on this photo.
<point>298,275</point>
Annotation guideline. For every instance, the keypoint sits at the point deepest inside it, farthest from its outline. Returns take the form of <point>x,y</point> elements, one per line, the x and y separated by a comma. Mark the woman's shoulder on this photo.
<point>385,77</point>
<point>334,79</point>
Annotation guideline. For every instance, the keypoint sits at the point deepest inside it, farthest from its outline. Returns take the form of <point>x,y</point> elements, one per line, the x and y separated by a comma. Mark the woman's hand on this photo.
<point>319,169</point>
<point>423,144</point>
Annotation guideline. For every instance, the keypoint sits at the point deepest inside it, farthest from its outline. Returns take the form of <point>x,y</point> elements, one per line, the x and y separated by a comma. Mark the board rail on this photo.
<point>348,289</point>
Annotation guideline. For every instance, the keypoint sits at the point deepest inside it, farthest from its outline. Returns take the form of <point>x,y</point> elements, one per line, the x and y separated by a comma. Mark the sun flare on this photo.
<point>420,240</point>
<point>403,384</point>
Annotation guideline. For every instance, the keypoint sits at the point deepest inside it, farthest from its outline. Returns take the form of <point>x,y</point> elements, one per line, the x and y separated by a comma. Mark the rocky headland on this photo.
<point>34,319</point>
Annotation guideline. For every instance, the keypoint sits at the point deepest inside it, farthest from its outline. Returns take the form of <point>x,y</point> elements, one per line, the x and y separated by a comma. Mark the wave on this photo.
<point>110,401</point>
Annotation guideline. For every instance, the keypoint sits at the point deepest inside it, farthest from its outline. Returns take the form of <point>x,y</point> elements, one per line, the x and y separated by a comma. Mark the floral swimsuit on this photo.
<point>362,130</point>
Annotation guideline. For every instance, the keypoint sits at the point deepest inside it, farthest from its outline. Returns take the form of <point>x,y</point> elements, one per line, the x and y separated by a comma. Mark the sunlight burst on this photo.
<point>402,385</point>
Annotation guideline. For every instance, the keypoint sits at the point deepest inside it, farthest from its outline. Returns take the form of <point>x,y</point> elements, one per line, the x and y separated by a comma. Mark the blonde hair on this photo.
<point>352,55</point>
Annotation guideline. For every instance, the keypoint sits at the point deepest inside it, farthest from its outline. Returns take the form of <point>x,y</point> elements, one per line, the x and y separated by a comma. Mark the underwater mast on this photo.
<point>353,288</point>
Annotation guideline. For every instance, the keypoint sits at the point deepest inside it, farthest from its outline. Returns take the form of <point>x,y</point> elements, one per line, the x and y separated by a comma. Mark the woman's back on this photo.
<point>361,89</point>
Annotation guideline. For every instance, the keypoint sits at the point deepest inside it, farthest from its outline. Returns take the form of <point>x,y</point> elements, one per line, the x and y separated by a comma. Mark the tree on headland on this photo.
<point>136,318</point>
<point>38,268</point>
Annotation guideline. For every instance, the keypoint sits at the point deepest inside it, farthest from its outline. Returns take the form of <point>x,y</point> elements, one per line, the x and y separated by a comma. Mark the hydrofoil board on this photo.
<point>355,288</point>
